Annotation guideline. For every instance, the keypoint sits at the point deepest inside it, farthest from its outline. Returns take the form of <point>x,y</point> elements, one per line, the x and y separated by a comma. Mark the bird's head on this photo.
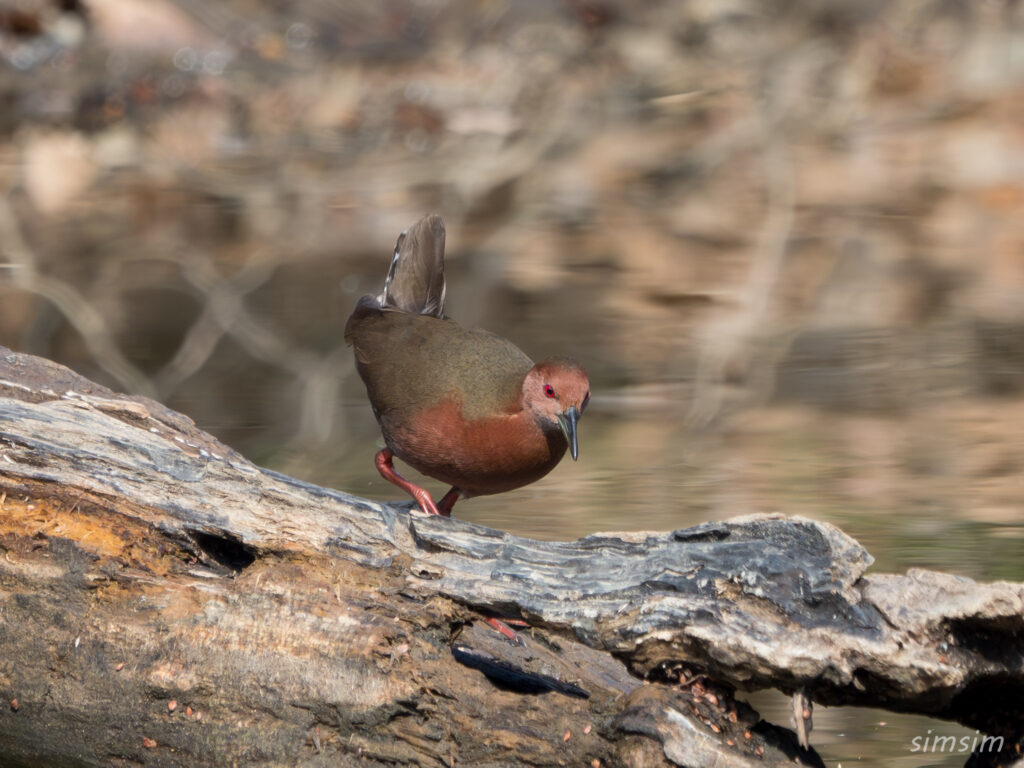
<point>557,391</point>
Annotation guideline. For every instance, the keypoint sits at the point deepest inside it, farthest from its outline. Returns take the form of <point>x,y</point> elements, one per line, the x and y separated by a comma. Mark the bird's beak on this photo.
<point>567,421</point>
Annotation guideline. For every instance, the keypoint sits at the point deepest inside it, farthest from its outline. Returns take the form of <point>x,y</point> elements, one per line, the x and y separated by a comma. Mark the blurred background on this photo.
<point>785,238</point>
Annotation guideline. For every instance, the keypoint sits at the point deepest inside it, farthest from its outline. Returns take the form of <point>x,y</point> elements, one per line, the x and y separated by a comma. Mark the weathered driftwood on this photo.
<point>163,601</point>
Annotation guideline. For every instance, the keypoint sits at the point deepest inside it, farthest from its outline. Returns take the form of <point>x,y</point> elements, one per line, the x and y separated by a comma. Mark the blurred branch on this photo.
<point>225,313</point>
<point>82,316</point>
<point>730,342</point>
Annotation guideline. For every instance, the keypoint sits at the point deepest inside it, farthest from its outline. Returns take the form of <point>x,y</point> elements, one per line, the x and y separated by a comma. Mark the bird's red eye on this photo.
<point>549,390</point>
<point>583,405</point>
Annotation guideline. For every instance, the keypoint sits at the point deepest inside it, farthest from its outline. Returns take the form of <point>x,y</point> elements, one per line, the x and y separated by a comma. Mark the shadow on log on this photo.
<point>163,601</point>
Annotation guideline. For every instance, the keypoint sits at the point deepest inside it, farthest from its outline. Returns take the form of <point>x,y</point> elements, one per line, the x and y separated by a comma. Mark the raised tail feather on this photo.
<point>415,280</point>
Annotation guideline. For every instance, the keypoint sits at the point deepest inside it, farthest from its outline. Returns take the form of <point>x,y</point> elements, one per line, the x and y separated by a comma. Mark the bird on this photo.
<point>460,405</point>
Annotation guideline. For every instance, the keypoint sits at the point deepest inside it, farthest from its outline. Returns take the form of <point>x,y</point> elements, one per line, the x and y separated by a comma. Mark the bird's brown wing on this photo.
<point>410,362</point>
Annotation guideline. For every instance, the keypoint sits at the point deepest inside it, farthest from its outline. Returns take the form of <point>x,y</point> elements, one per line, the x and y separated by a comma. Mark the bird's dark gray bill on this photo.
<point>567,421</point>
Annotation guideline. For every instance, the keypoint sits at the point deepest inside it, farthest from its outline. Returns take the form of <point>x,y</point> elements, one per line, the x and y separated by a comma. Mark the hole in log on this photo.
<point>226,551</point>
<point>971,705</point>
<point>995,640</point>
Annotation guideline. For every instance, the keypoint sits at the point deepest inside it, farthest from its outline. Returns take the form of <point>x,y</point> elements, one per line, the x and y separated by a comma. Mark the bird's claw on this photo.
<point>426,503</point>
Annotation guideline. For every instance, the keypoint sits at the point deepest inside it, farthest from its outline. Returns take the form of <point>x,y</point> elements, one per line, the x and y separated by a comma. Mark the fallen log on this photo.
<point>163,601</point>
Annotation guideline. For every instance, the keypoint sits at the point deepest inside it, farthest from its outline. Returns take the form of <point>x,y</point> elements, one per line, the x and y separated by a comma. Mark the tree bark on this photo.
<point>163,601</point>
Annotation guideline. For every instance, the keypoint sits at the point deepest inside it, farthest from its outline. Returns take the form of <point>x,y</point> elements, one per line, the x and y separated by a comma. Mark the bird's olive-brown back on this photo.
<point>412,362</point>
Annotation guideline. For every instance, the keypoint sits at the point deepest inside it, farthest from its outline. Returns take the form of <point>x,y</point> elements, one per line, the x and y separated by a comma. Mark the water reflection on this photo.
<point>846,736</point>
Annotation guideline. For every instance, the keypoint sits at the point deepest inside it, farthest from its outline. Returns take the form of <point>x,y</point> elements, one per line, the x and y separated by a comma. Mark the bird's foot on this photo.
<point>504,628</point>
<point>426,502</point>
<point>385,465</point>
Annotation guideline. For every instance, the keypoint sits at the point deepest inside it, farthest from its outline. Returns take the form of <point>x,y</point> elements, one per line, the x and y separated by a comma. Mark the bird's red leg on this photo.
<point>386,467</point>
<point>507,631</point>
<point>444,506</point>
